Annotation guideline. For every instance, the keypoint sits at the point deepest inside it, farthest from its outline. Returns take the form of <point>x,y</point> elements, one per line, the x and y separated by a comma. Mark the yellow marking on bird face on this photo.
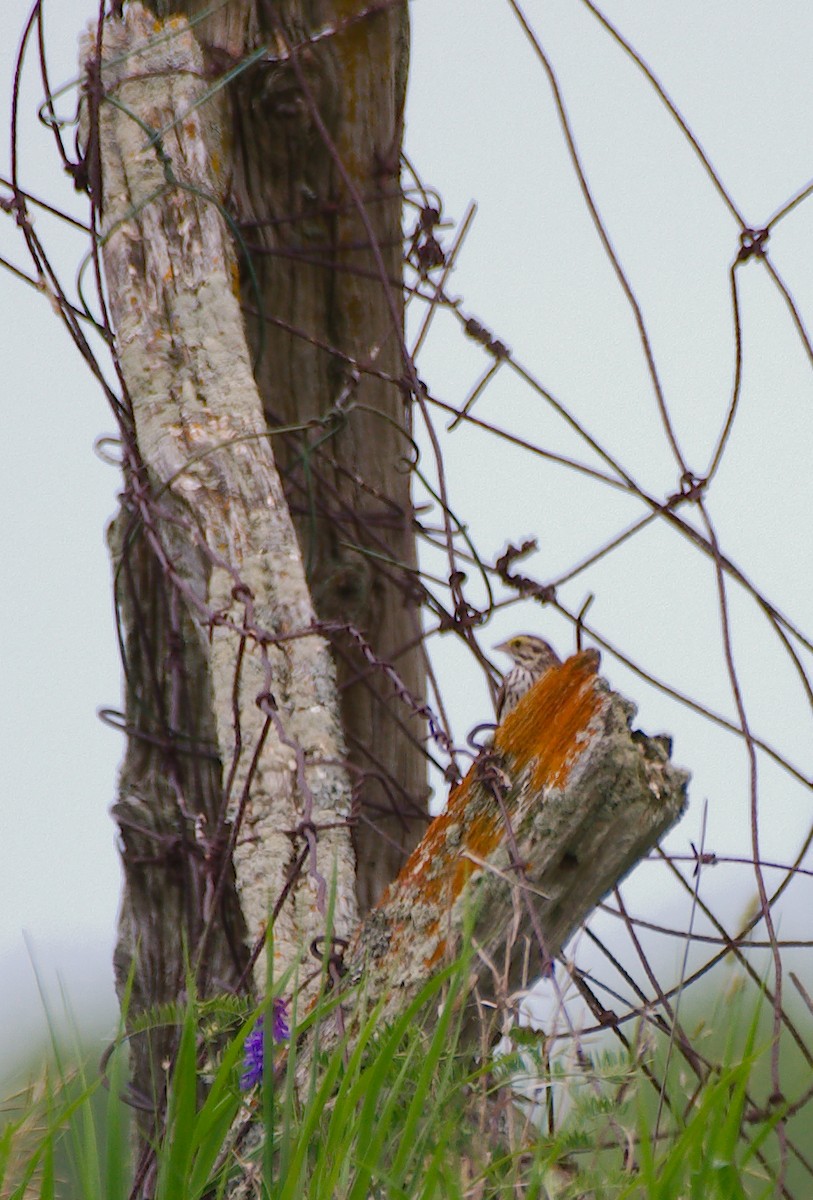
<point>523,641</point>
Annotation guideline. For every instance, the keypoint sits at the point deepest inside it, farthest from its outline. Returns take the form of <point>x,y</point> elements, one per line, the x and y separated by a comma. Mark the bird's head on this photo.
<point>529,651</point>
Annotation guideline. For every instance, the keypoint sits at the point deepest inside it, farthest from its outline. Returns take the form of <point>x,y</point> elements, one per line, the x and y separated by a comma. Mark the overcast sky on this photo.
<point>481,126</point>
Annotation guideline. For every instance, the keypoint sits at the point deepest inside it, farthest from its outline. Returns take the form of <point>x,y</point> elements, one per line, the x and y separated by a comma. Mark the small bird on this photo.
<point>532,658</point>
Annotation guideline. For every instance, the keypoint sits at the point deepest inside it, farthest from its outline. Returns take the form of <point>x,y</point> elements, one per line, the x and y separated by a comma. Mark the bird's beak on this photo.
<point>503,646</point>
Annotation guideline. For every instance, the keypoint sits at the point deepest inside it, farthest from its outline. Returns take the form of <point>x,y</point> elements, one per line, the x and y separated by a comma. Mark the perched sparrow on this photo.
<point>532,657</point>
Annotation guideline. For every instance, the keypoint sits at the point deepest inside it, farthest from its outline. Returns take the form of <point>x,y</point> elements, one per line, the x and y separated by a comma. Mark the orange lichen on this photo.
<point>484,832</point>
<point>546,732</point>
<point>437,954</point>
<point>543,730</point>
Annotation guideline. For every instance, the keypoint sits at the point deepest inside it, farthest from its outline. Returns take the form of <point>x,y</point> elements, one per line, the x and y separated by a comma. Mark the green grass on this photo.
<point>402,1113</point>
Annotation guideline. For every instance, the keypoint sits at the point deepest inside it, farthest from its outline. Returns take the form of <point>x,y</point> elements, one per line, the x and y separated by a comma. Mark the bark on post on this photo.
<point>214,518</point>
<point>310,122</point>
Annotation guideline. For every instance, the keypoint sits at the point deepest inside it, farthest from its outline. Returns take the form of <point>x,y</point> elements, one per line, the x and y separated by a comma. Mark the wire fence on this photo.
<point>689,619</point>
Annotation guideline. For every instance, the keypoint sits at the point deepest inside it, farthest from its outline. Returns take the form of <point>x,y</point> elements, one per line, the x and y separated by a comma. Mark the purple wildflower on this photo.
<point>253,1058</point>
<point>253,1048</point>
